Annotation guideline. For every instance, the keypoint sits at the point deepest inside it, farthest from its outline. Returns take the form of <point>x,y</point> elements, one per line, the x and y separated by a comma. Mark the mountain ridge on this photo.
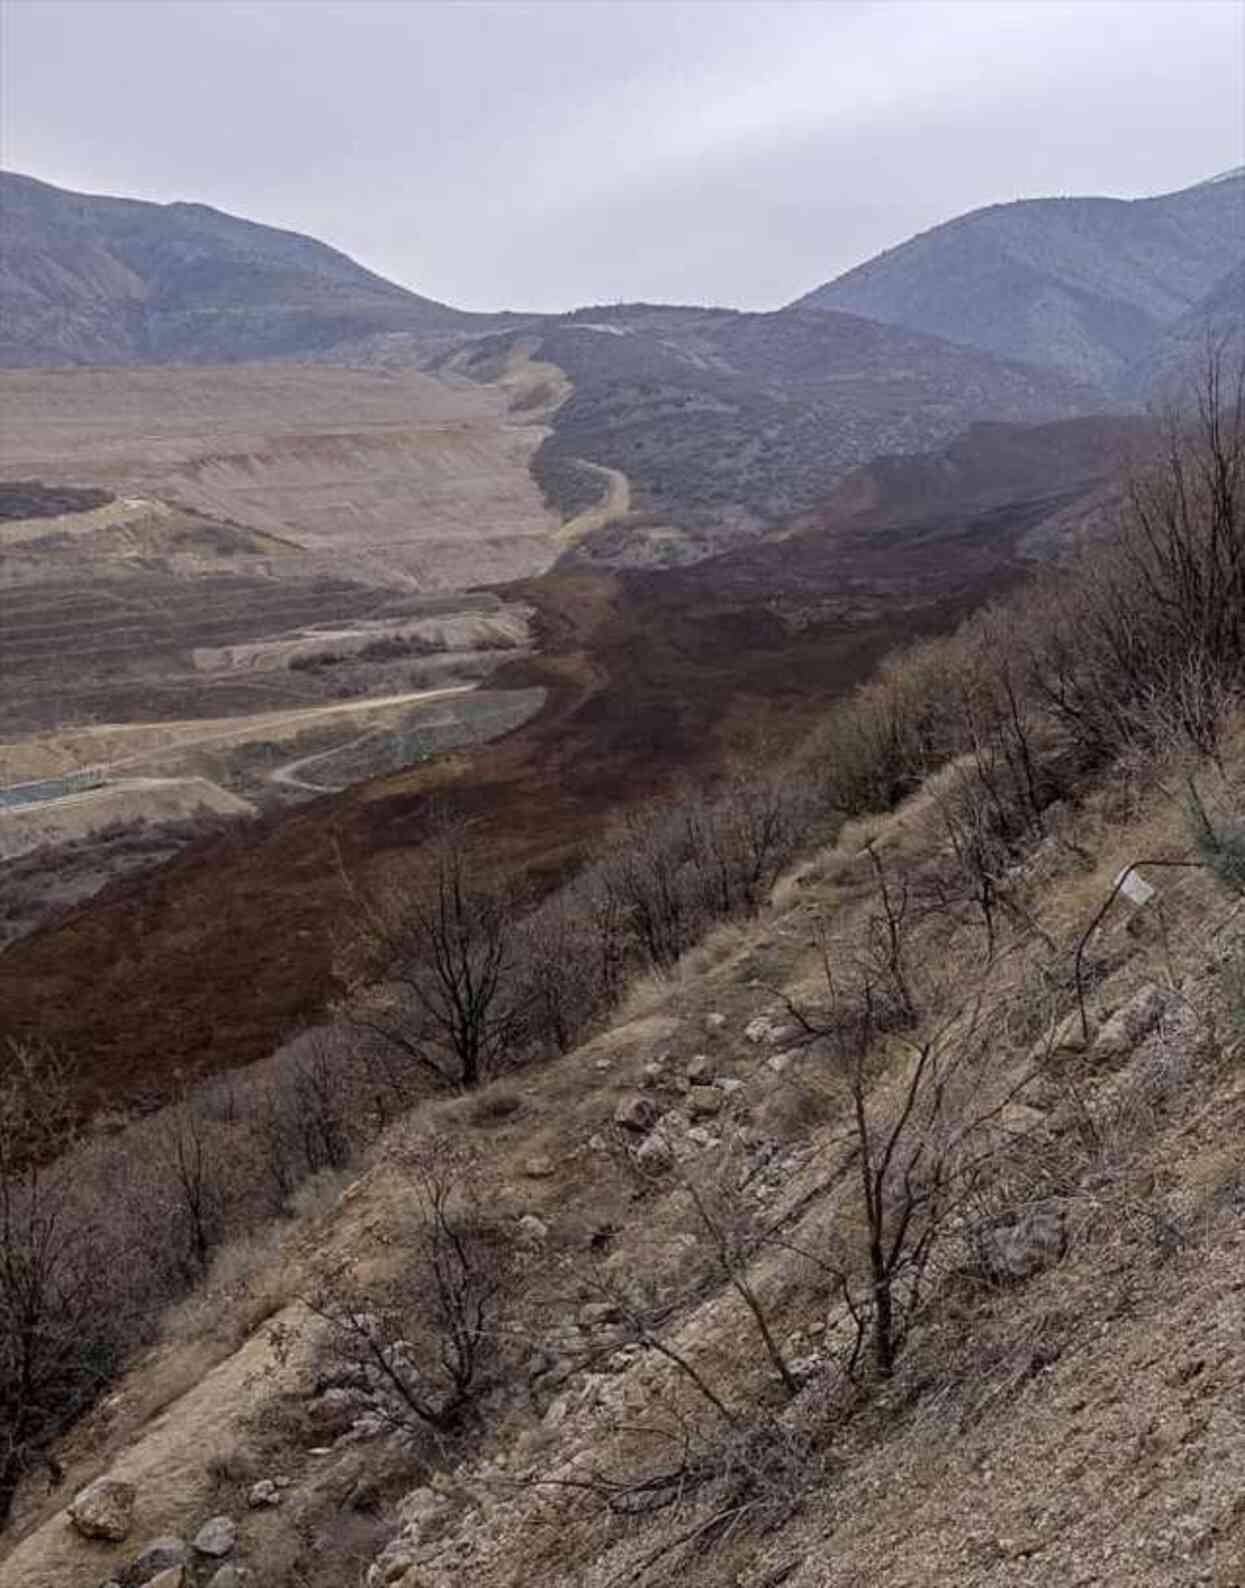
<point>1085,285</point>
<point>97,279</point>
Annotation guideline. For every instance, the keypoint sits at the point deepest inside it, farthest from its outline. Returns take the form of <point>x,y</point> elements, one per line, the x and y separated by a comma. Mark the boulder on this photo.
<point>332,1413</point>
<point>263,1493</point>
<point>763,1029</point>
<point>532,1232</point>
<point>217,1536</point>
<point>636,1112</point>
<point>655,1151</point>
<point>705,1101</point>
<point>1018,1251</point>
<point>1128,1025</point>
<point>700,1069</point>
<point>597,1314</point>
<point>158,1556</point>
<point>104,1509</point>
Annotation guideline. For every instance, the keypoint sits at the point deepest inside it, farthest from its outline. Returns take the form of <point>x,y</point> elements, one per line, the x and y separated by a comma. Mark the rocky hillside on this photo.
<point>1075,284</point>
<point>727,424</point>
<point>91,280</point>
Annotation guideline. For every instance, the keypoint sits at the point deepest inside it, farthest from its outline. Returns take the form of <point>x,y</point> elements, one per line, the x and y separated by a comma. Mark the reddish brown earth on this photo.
<point>208,961</point>
<point>213,958</point>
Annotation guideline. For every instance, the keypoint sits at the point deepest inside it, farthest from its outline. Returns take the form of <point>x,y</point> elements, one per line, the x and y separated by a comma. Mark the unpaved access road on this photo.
<point>110,746</point>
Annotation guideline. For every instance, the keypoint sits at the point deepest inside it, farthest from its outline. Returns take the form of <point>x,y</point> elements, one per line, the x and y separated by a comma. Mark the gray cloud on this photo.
<point>540,154</point>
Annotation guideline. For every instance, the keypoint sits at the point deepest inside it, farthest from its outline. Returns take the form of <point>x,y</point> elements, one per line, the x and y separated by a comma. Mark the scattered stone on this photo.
<point>700,1069</point>
<point>532,1232</point>
<point>715,1021</point>
<point>705,1101</point>
<point>655,1151</point>
<point>1019,1251</point>
<point>654,1073</point>
<point>540,1167</point>
<point>155,1557</point>
<point>780,1063</point>
<point>636,1112</point>
<point>332,1413</point>
<point>265,1492</point>
<point>701,1137</point>
<point>216,1537</point>
<point>597,1314</point>
<point>1128,1025</point>
<point>104,1509</point>
<point>420,1507</point>
<point>763,1029</point>
<point>603,1064</point>
<point>598,1143</point>
<point>171,1577</point>
<point>227,1577</point>
<point>730,1084</point>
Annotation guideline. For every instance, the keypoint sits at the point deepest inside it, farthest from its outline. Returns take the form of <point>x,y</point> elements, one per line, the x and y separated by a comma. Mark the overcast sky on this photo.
<point>541,155</point>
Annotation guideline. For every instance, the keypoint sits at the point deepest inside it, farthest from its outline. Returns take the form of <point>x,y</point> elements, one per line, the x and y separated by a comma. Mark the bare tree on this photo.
<point>59,1326</point>
<point>441,968</point>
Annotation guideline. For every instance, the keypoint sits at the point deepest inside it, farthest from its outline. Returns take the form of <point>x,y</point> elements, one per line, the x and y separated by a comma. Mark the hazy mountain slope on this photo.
<point>1180,348</point>
<point>87,280</point>
<point>728,422</point>
<point>1080,284</point>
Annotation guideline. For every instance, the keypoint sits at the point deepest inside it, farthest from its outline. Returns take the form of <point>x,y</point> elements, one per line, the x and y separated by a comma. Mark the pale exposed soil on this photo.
<point>425,478</point>
<point>152,799</point>
<point>123,746</point>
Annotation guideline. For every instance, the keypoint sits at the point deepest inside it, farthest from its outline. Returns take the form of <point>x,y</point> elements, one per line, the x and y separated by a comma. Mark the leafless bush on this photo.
<point>427,1339</point>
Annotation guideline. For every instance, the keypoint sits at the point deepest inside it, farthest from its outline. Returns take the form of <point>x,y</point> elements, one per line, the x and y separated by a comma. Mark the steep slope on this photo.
<point>727,424</point>
<point>1078,284</point>
<point>89,280</point>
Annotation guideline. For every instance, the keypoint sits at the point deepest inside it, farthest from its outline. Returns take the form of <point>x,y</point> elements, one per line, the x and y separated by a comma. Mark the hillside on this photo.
<point>1083,285</point>
<point>94,280</point>
<point>726,424</point>
<point>852,1192</point>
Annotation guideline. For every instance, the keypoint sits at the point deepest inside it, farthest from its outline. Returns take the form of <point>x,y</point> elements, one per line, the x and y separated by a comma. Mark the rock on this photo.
<point>540,1167</point>
<point>715,1021</point>
<point>730,1084</point>
<point>216,1537</point>
<point>705,1101</point>
<point>700,1069</point>
<point>763,1029</point>
<point>265,1492</point>
<point>598,1143</point>
<point>655,1151</point>
<point>597,1314</point>
<point>654,1073</point>
<point>420,1507</point>
<point>171,1577</point>
<point>1128,1025</point>
<point>780,1063</point>
<point>104,1509</point>
<point>700,1137</point>
<point>532,1232</point>
<point>226,1577</point>
<point>158,1556</point>
<point>1020,1250</point>
<point>332,1413</point>
<point>636,1112</point>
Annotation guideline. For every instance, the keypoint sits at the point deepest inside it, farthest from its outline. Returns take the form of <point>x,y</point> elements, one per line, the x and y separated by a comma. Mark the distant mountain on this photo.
<point>88,280</point>
<point>730,424</point>
<point>1084,285</point>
